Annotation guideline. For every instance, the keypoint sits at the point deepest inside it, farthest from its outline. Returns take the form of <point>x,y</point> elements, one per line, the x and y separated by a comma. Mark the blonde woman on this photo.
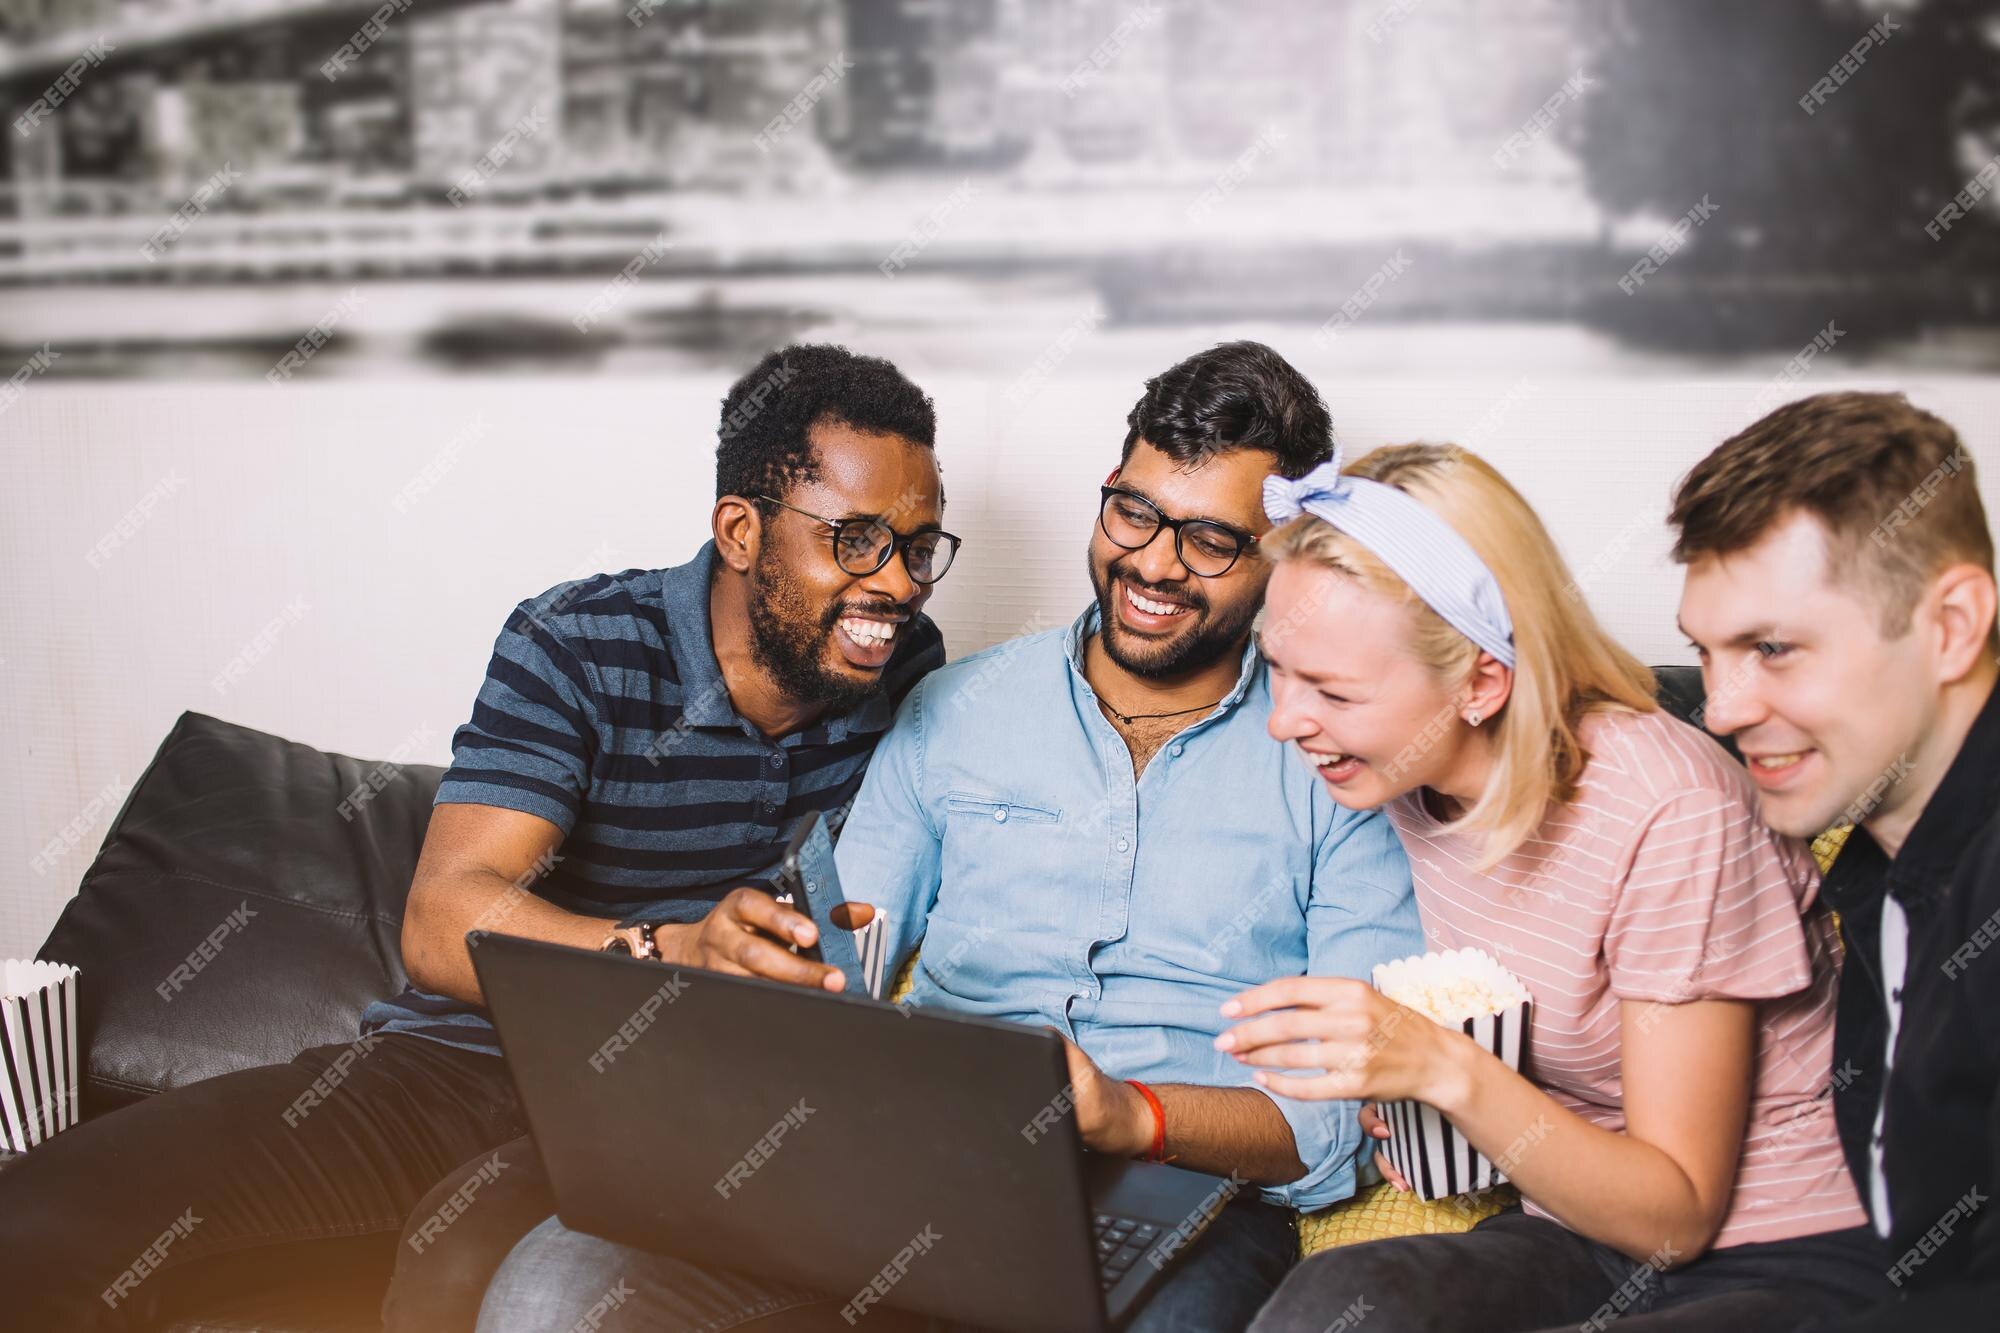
<point>1672,1132</point>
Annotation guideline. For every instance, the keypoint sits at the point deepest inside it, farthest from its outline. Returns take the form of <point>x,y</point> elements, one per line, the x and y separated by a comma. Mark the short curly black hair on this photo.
<point>762,446</point>
<point>1236,395</point>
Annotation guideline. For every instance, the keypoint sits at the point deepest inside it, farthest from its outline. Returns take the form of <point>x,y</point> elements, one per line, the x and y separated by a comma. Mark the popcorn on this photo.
<point>1452,986</point>
<point>1466,990</point>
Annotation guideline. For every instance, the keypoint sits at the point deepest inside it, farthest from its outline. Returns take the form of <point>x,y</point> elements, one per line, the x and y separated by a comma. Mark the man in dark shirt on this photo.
<point>642,743</point>
<point>1840,590</point>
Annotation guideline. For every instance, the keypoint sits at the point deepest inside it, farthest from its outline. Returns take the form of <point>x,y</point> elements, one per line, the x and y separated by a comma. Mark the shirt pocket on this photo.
<point>1009,868</point>
<point>999,811</point>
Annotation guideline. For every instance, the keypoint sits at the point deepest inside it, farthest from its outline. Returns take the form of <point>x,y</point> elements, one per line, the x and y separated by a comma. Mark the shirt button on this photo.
<point>1123,844</point>
<point>1175,751</point>
<point>1897,995</point>
<point>777,761</point>
<point>1000,815</point>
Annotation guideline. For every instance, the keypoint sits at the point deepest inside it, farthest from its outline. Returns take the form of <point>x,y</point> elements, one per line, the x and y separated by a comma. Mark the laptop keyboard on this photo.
<point>1120,1242</point>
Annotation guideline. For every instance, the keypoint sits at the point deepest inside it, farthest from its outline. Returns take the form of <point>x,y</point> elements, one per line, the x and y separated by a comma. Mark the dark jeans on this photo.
<point>563,1279</point>
<point>242,1184</point>
<point>1516,1274</point>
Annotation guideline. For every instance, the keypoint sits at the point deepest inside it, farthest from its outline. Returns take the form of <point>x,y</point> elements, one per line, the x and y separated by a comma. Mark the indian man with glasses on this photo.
<point>1119,878</point>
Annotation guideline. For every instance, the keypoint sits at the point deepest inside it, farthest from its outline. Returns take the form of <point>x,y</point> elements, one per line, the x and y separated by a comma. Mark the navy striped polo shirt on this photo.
<point>604,712</point>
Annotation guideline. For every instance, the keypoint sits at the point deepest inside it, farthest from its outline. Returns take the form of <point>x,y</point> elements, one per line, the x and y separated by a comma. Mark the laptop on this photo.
<point>891,1156</point>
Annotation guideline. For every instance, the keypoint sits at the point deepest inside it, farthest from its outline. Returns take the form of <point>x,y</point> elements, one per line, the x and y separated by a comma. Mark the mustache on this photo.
<point>886,609</point>
<point>1185,593</point>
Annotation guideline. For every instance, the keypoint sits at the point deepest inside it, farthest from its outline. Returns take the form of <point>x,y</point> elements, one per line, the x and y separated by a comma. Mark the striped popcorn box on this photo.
<point>39,1088</point>
<point>871,942</point>
<point>1468,990</point>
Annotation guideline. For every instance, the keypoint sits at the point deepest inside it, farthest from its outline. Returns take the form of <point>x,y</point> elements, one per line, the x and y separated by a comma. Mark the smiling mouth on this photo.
<point>1333,766</point>
<point>1774,770</point>
<point>1152,606</point>
<point>869,633</point>
<point>866,642</point>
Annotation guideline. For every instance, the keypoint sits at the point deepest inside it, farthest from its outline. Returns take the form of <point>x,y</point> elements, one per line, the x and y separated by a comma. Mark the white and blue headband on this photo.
<point>1422,548</point>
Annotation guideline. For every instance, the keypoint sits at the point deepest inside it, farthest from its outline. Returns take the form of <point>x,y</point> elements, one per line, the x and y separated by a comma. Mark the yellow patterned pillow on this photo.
<point>903,982</point>
<point>1381,1212</point>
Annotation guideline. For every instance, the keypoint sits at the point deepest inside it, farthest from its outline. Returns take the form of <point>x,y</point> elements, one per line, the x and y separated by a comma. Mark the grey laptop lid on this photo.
<point>858,1147</point>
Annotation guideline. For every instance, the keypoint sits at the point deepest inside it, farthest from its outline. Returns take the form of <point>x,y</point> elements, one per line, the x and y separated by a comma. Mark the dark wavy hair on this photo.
<point>762,441</point>
<point>1238,395</point>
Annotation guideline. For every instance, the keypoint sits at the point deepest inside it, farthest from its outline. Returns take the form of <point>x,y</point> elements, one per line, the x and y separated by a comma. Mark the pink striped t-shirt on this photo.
<point>1659,883</point>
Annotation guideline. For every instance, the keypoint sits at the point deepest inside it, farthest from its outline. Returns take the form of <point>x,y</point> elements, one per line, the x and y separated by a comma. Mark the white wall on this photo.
<point>269,499</point>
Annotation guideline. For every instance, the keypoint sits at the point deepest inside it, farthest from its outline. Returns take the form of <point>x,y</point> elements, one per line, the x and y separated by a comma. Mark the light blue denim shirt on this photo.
<point>1000,824</point>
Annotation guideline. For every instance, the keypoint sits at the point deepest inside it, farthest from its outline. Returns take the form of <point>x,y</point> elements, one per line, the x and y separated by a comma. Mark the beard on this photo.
<point>1206,639</point>
<point>792,643</point>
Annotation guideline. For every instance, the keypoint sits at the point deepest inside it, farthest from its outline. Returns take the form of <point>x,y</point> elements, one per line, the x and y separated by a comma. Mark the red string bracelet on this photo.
<point>1158,1153</point>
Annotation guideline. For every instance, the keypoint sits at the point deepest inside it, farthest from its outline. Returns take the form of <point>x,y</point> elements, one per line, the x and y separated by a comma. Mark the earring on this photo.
<point>1473,717</point>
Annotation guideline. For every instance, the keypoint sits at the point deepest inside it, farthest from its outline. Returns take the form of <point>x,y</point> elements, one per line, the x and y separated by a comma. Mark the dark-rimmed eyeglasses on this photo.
<point>1208,549</point>
<point>863,545</point>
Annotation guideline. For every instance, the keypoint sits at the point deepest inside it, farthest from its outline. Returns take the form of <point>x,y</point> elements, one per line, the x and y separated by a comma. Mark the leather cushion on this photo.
<point>1679,690</point>
<point>232,860</point>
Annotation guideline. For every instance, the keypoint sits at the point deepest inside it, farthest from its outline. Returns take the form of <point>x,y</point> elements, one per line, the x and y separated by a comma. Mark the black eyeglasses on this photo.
<point>1208,549</point>
<point>863,545</point>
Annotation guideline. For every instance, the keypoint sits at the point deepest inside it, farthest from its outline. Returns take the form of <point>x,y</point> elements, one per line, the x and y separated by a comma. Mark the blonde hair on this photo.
<point>1567,665</point>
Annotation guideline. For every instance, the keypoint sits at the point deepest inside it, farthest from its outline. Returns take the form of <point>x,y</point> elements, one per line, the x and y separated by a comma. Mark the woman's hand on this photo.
<point>1369,1047</point>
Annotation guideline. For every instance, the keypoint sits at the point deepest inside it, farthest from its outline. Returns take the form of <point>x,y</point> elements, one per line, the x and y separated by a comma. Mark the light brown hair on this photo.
<point>1892,486</point>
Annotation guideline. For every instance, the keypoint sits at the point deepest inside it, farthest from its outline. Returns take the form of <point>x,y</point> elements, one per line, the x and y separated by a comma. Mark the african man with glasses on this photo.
<point>641,745</point>
<point>1147,854</point>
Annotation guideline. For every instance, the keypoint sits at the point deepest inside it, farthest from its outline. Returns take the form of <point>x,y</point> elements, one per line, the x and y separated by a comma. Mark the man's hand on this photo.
<point>750,934</point>
<point>1216,1130</point>
<point>1110,1114</point>
<point>1373,1126</point>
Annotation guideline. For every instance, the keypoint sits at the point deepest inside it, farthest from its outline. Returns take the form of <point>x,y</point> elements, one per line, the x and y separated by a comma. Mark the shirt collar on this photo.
<point>704,694</point>
<point>874,713</point>
<point>1859,873</point>
<point>1087,624</point>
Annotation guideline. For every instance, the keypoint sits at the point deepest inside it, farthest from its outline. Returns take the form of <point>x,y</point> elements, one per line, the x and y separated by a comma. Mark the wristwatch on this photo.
<point>635,939</point>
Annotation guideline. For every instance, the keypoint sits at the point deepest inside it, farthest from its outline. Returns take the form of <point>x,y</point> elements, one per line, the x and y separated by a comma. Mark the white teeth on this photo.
<point>1153,608</point>
<point>1771,763</point>
<point>1324,760</point>
<point>868,633</point>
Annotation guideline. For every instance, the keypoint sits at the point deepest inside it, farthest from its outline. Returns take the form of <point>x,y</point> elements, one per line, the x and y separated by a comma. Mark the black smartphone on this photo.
<point>806,871</point>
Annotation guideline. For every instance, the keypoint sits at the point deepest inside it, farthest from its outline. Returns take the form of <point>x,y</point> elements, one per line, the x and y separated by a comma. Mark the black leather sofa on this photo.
<point>227,818</point>
<point>230,820</point>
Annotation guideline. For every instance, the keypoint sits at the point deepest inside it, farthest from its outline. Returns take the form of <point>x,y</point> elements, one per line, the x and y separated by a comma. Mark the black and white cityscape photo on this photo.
<point>437,186</point>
